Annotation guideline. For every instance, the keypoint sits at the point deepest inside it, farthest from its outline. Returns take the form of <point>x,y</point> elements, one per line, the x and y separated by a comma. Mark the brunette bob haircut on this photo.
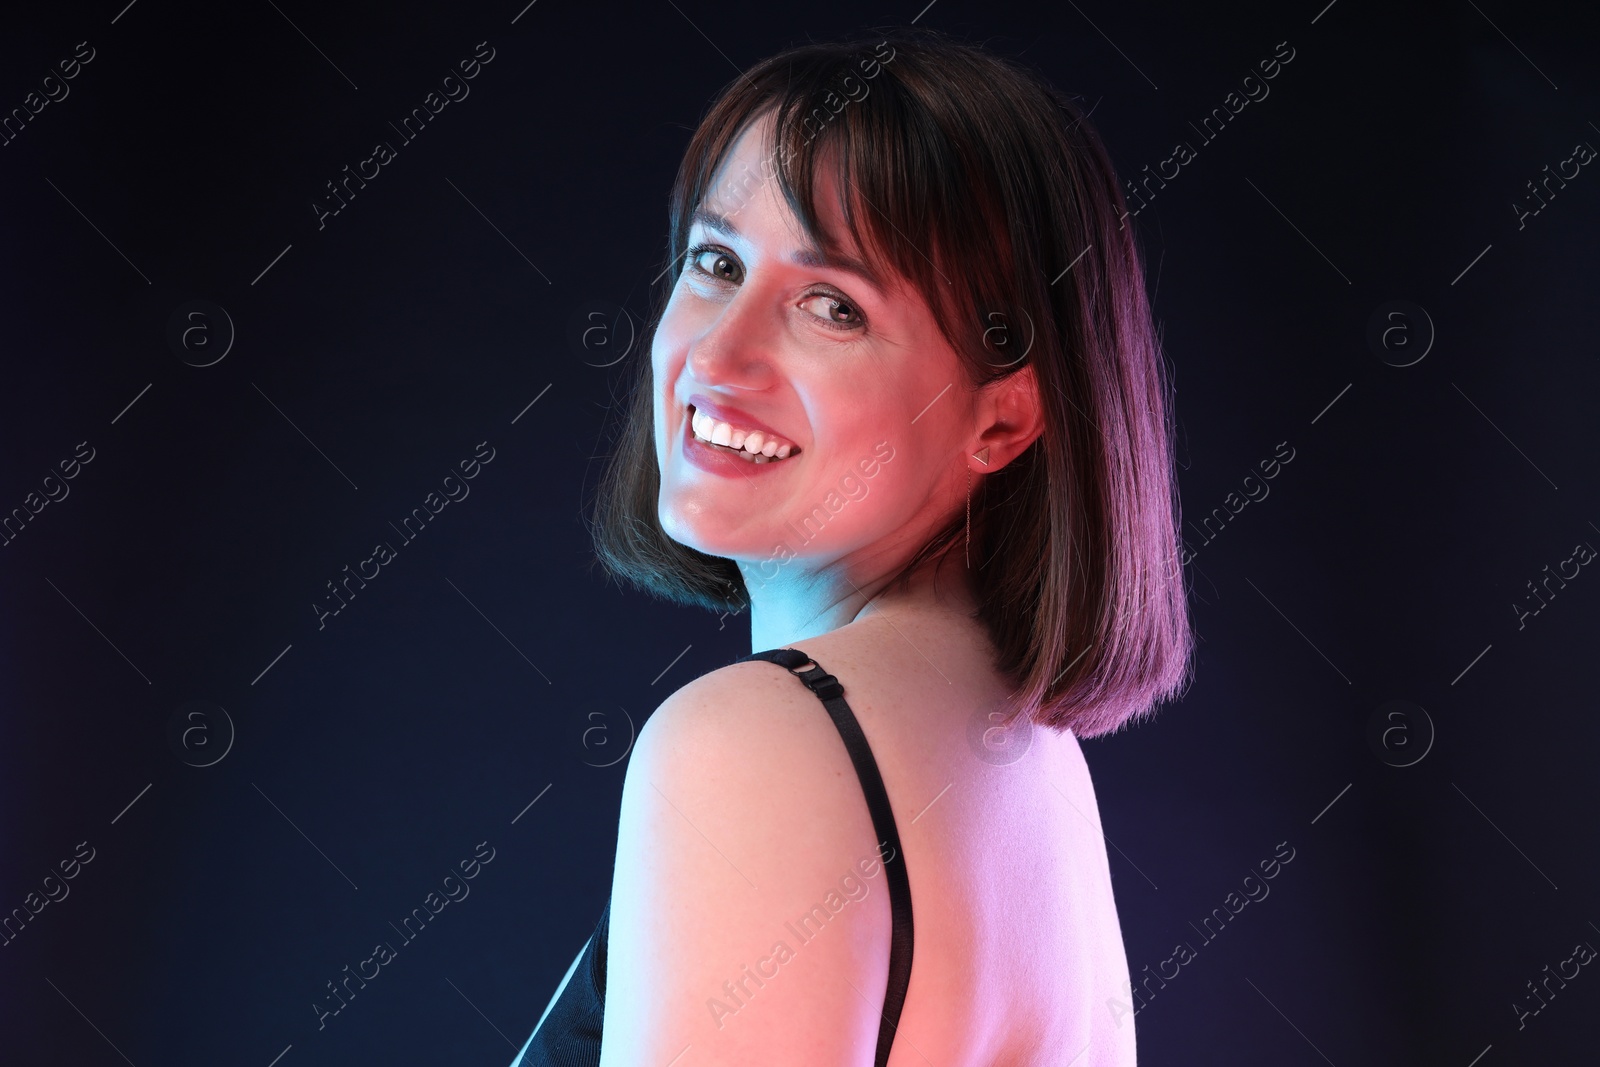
<point>986,189</point>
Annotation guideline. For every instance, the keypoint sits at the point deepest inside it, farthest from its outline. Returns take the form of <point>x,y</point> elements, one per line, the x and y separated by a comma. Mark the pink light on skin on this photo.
<point>761,328</point>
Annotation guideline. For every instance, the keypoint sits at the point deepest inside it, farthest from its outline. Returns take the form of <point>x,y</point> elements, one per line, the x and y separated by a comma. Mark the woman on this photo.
<point>905,404</point>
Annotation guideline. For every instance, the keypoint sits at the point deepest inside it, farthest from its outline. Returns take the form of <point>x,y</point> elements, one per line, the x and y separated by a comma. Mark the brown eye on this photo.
<point>837,313</point>
<point>721,265</point>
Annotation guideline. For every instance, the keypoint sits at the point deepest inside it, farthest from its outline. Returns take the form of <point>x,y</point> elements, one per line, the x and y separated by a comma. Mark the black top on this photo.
<point>570,1034</point>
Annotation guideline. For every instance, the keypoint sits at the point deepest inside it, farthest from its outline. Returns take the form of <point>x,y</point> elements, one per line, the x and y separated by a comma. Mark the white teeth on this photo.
<point>751,444</point>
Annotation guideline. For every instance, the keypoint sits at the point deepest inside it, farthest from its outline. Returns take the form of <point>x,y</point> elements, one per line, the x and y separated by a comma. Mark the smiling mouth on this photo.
<point>754,446</point>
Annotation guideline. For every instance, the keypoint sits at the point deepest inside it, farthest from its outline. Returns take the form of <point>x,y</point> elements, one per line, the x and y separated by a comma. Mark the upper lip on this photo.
<point>739,420</point>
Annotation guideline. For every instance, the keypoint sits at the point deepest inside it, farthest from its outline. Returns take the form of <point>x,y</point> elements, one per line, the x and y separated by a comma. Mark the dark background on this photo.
<point>490,665</point>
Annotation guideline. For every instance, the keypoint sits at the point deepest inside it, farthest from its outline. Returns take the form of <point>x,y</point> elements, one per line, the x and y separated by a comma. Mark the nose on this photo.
<point>736,347</point>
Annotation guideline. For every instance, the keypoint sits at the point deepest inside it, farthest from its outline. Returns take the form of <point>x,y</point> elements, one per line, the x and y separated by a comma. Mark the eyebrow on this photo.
<point>805,257</point>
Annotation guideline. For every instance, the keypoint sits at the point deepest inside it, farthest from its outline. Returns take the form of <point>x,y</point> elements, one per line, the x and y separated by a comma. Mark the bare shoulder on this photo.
<point>740,812</point>
<point>752,709</point>
<point>750,751</point>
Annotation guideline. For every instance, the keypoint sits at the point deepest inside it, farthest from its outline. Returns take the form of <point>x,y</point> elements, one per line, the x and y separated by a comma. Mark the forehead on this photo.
<point>744,197</point>
<point>745,182</point>
<point>748,159</point>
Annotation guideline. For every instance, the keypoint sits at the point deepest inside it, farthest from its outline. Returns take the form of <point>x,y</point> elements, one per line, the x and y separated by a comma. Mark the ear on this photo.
<point>1010,418</point>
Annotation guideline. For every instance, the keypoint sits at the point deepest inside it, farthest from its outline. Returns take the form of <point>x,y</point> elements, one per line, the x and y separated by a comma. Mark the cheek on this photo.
<point>670,343</point>
<point>666,365</point>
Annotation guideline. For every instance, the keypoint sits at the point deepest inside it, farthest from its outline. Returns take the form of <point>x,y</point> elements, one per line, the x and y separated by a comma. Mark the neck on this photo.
<point>807,602</point>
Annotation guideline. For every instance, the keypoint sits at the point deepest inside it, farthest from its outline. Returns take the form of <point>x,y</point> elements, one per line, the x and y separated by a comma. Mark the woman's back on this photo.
<point>1018,946</point>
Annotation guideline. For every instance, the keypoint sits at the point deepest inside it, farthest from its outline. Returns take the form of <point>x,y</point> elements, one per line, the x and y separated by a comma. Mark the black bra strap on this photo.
<point>831,693</point>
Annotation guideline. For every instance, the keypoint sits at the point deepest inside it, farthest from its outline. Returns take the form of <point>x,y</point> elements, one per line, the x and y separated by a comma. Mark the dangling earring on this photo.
<point>982,456</point>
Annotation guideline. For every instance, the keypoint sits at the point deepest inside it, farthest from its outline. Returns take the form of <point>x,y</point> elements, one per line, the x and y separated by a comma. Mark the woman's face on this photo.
<point>852,375</point>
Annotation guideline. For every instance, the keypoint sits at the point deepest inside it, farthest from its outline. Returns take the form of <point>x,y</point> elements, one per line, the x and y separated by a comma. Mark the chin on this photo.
<point>687,531</point>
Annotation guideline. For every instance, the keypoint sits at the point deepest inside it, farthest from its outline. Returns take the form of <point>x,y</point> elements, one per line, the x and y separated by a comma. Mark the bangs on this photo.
<point>909,195</point>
